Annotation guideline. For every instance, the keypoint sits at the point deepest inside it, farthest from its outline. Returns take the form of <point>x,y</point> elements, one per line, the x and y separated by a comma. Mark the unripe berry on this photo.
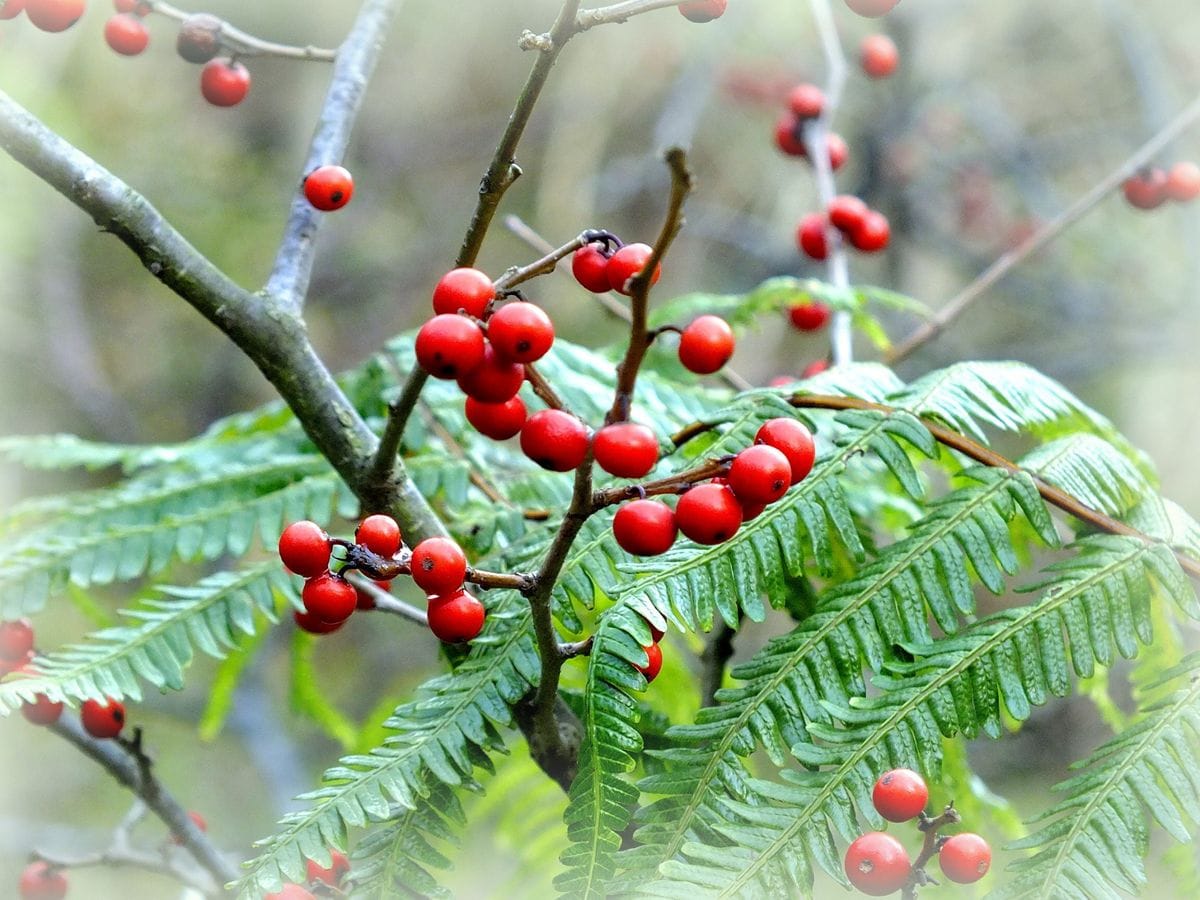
<point>706,345</point>
<point>466,289</point>
<point>499,421</point>
<point>810,236</point>
<point>702,10</point>
<point>794,440</point>
<point>627,262</point>
<point>456,617</point>
<point>199,38</point>
<point>1147,189</point>
<point>900,795</point>
<point>589,265</point>
<point>438,565</point>
<point>40,881</point>
<point>810,316</point>
<point>555,440</point>
<point>872,9</point>
<point>379,534</point>
<point>304,548</point>
<point>306,621</point>
<point>878,56</point>
<point>521,332</point>
<point>54,15</point>
<point>1183,182</point>
<point>102,720</point>
<point>126,34</point>
<point>16,640</point>
<point>847,212</point>
<point>877,864</point>
<point>806,101</point>
<point>872,233</point>
<point>450,345</point>
<point>42,711</point>
<point>965,858</point>
<point>224,82</point>
<point>708,513</point>
<point>495,380</point>
<point>332,874</point>
<point>329,597</point>
<point>644,527</point>
<point>328,187</point>
<point>654,661</point>
<point>760,474</point>
<point>625,449</point>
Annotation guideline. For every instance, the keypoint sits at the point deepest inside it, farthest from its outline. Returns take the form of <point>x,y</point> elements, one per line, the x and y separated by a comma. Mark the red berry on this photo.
<point>379,534</point>
<point>878,55</point>
<point>291,892</point>
<point>644,527</point>
<point>656,633</point>
<point>899,795</point>
<point>328,187</point>
<point>872,233</point>
<point>466,289</point>
<point>706,345</point>
<point>521,332</point>
<point>625,449</point>
<point>787,135</point>
<point>364,600</point>
<point>40,881</point>
<point>847,212</point>
<point>589,265</point>
<point>1147,189</point>
<point>42,711</point>
<point>816,367</point>
<point>810,316</point>
<point>454,618</point>
<point>654,661</point>
<point>876,864</point>
<point>810,236</point>
<point>499,421</point>
<point>199,38</point>
<point>627,262</point>
<point>807,101</point>
<point>965,858</point>
<point>304,548</point>
<point>708,513</point>
<point>872,9</point>
<point>555,440</point>
<point>102,720</point>
<point>10,9</point>
<point>1183,182</point>
<point>224,82</point>
<point>703,10</point>
<point>16,640</point>
<point>438,566</point>
<point>838,151</point>
<point>197,820</point>
<point>126,34</point>
<point>306,621</point>
<point>760,474</point>
<point>793,440</point>
<point>495,380</point>
<point>332,874</point>
<point>450,345</point>
<point>54,15</point>
<point>329,597</point>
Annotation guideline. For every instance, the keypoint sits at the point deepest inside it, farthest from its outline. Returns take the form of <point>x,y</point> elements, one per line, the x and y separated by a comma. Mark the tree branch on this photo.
<point>243,44</point>
<point>619,12</point>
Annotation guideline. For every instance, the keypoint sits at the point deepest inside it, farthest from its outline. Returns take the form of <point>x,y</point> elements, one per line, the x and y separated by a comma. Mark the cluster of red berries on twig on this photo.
<point>1150,188</point>
<point>806,102</point>
<point>877,864</point>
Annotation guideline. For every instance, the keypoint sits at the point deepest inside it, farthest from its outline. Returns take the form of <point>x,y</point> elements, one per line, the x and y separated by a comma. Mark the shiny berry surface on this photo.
<point>627,262</point>
<point>847,212</point>
<point>304,548</point>
<point>645,527</point>
<point>965,858</point>
<point>760,474</point>
<point>439,565</point>
<point>555,440</point>
<point>449,346</point>
<point>464,288</point>
<point>811,316</point>
<point>872,233</point>
<point>589,265</point>
<point>654,661</point>
<point>811,238</point>
<point>495,380</point>
<point>306,621</point>
<point>899,795</point>
<point>339,865</point>
<point>806,101</point>
<point>199,38</point>
<point>126,34</point>
<point>521,332</point>
<point>499,421</point>
<point>224,82</point>
<point>328,187</point>
<point>102,719</point>
<point>625,449</point>
<point>706,345</point>
<point>54,15</point>
<point>787,135</point>
<point>379,534</point>
<point>329,597</point>
<point>838,150</point>
<point>708,514</point>
<point>456,617</point>
<point>794,440</point>
<point>877,864</point>
<point>1183,182</point>
<point>878,56</point>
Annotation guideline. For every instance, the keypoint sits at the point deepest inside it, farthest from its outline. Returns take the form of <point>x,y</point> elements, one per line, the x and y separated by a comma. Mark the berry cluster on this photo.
<point>48,15</point>
<point>1150,188</point>
<point>326,879</point>
<point>806,102</point>
<point>877,864</point>
<point>863,228</point>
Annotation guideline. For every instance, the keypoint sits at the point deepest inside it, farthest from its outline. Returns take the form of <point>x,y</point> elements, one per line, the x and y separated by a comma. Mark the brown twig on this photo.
<point>545,392</point>
<point>929,849</point>
<point>243,44</point>
<point>672,484</point>
<point>549,260</point>
<point>619,12</point>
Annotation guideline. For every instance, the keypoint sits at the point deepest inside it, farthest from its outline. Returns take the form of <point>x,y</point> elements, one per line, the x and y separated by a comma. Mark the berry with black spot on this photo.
<point>379,534</point>
<point>16,640</point>
<point>102,719</point>
<point>645,527</point>
<point>304,548</point>
<point>965,858</point>
<point>199,38</point>
<point>793,439</point>
<point>328,187</point>
<point>555,440</point>
<point>877,864</point>
<point>41,881</point>
<point>54,15</point>
<point>332,875</point>
<point>438,566</point>
<point>810,316</point>
<point>654,661</point>
<point>625,449</point>
<point>455,618</point>
<point>589,265</point>
<point>706,345</point>
<point>702,10</point>
<point>811,237</point>
<point>760,474</point>
<point>900,795</point>
<point>627,262</point>
<point>224,82</point>
<point>449,346</point>
<point>708,513</point>
<point>499,421</point>
<point>126,34</point>
<point>464,288</point>
<point>521,332</point>
<point>495,380</point>
<point>329,597</point>
<point>878,56</point>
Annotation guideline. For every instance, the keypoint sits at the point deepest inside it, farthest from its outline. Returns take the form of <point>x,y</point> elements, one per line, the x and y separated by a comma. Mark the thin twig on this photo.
<point>930,329</point>
<point>243,44</point>
<point>930,846</point>
<point>549,260</point>
<point>385,602</point>
<point>672,484</point>
<point>542,388</point>
<point>619,12</point>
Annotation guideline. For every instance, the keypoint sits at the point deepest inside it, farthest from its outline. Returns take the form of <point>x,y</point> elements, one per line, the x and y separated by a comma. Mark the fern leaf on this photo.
<point>396,858</point>
<point>1093,471</point>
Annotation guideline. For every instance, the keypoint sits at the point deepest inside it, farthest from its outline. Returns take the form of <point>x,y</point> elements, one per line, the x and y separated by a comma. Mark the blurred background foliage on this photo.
<point>1001,114</point>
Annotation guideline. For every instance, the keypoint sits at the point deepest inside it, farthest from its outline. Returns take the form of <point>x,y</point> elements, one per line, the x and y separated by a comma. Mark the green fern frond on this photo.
<point>66,451</point>
<point>1093,471</point>
<point>395,859</point>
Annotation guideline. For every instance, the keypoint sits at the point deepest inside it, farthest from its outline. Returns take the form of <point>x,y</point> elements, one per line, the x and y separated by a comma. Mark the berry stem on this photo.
<point>933,841</point>
<point>245,45</point>
<point>385,602</point>
<point>672,484</point>
<point>619,12</point>
<point>542,388</point>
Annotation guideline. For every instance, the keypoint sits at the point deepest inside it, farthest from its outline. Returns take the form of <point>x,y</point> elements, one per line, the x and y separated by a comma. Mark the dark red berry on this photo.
<point>1147,189</point>
<point>555,440</point>
<point>439,565</point>
<point>495,380</point>
<point>450,345</point>
<point>332,874</point>
<point>521,332</point>
<point>627,262</point>
<point>810,316</point>
<point>793,440</point>
<point>900,795</point>
<point>16,640</point>
<point>54,15</point>
<point>467,289</point>
<point>499,421</point>
<point>810,236</point>
<point>806,101</point>
<point>42,710</point>
<point>878,56</point>
<point>224,82</point>
<point>760,474</point>
<point>847,212</point>
<point>456,617</point>
<point>965,858</point>
<point>872,9</point>
<point>102,719</point>
<point>872,233</point>
<point>787,135</point>
<point>329,597</point>
<point>1183,182</point>
<point>306,621</point>
<point>708,513</point>
<point>654,661</point>
<point>625,449</point>
<point>199,38</point>
<point>328,187</point>
<point>304,548</point>
<point>379,534</point>
<point>644,527</point>
<point>197,820</point>
<point>706,345</point>
<point>877,864</point>
<point>702,10</point>
<point>40,881</point>
<point>10,9</point>
<point>126,34</point>
<point>589,265</point>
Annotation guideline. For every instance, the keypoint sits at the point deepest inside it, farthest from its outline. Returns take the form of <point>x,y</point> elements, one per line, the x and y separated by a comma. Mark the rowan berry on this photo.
<point>224,82</point>
<point>589,265</point>
<point>306,621</point>
<point>644,527</point>
<point>706,345</point>
<point>965,858</point>
<point>627,262</point>
<point>54,15</point>
<point>793,440</point>
<point>10,9</point>
<point>810,316</point>
<point>328,187</point>
<point>877,864</point>
<point>438,565</point>
<point>810,236</point>
<point>806,101</point>
<point>332,874</point>
<point>1183,182</point>
<point>126,34</point>
<point>838,150</point>
<point>787,135</point>
<point>199,38</point>
<point>656,633</point>
<point>702,10</point>
<point>878,56</point>
<point>495,380</point>
<point>521,332</point>
<point>466,289</point>
<point>41,881</point>
<point>450,345</point>
<point>872,9</point>
<point>708,513</point>
<point>456,617</point>
<point>625,449</point>
<point>654,661</point>
<point>1147,189</point>
<point>304,548</point>
<point>555,440</point>
<point>900,795</point>
<point>16,640</point>
<point>102,719</point>
<point>379,534</point>
<point>499,421</point>
<point>760,474</point>
<point>847,212</point>
<point>42,710</point>
<point>872,233</point>
<point>329,597</point>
